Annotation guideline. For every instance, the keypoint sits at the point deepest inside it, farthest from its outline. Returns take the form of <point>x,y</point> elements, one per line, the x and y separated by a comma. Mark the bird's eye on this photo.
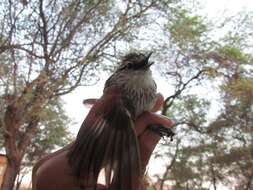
<point>127,66</point>
<point>130,65</point>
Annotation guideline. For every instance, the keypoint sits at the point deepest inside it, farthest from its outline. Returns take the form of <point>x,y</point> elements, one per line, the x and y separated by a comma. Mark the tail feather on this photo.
<point>126,172</point>
<point>99,152</point>
<point>111,154</point>
<point>81,156</point>
<point>110,142</point>
<point>114,165</point>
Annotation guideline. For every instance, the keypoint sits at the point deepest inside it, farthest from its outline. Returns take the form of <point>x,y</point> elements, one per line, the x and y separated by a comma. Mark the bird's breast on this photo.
<point>137,80</point>
<point>139,87</point>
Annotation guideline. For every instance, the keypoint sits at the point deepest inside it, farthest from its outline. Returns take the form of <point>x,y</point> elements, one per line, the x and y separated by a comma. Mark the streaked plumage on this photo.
<point>107,138</point>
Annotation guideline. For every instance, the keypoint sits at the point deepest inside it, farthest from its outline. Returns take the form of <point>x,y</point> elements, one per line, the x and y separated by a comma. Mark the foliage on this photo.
<point>52,132</point>
<point>186,30</point>
<point>210,150</point>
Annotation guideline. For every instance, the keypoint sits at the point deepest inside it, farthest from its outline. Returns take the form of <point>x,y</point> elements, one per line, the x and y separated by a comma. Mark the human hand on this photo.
<point>53,171</point>
<point>147,138</point>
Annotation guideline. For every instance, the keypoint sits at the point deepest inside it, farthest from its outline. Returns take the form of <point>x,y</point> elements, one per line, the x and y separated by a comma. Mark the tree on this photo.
<point>209,153</point>
<point>46,48</point>
<point>52,133</point>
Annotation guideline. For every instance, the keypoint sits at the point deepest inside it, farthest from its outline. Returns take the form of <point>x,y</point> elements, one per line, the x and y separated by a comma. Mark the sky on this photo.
<point>214,8</point>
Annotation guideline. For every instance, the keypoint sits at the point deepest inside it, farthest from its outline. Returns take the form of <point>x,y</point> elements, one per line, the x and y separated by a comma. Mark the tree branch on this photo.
<point>168,167</point>
<point>66,41</point>
<point>213,177</point>
<point>248,185</point>
<point>170,100</point>
<point>4,48</point>
<point>44,34</point>
<point>28,134</point>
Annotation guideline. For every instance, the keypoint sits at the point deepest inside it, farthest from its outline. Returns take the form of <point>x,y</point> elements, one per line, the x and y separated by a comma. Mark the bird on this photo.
<point>107,138</point>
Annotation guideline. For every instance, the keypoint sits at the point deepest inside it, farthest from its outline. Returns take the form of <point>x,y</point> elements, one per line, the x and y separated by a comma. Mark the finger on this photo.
<point>159,103</point>
<point>149,118</point>
<point>147,142</point>
<point>101,187</point>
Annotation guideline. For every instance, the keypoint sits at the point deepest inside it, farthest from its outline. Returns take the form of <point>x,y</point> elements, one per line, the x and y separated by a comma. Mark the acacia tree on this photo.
<point>52,133</point>
<point>218,152</point>
<point>46,48</point>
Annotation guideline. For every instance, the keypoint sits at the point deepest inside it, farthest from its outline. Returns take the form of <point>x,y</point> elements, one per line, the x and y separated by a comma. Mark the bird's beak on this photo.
<point>148,56</point>
<point>146,63</point>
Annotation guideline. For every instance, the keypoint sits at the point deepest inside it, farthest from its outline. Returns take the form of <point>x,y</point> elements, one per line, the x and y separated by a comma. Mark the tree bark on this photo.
<point>9,177</point>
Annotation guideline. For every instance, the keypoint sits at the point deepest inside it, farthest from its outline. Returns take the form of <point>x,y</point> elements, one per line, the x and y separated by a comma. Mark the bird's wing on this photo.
<point>107,140</point>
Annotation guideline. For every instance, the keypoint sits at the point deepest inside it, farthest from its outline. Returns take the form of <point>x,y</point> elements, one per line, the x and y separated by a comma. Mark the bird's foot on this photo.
<point>162,131</point>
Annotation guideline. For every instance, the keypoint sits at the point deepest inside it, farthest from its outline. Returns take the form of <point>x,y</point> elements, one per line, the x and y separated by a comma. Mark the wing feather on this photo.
<point>109,141</point>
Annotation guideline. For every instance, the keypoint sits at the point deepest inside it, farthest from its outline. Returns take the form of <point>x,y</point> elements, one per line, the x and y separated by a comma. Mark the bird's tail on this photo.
<point>109,142</point>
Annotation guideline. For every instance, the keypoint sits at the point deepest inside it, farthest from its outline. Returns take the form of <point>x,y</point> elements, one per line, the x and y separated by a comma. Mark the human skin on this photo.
<point>53,172</point>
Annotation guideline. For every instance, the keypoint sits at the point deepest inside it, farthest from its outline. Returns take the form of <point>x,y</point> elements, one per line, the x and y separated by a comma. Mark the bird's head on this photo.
<point>135,62</point>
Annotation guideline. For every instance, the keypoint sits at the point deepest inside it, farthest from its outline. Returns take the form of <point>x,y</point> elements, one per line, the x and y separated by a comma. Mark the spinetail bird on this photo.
<point>107,139</point>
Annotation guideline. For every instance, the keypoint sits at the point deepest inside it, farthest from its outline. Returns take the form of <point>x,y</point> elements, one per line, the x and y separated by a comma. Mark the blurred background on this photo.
<point>54,54</point>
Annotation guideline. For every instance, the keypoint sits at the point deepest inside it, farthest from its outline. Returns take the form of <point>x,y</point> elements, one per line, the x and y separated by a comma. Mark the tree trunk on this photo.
<point>9,177</point>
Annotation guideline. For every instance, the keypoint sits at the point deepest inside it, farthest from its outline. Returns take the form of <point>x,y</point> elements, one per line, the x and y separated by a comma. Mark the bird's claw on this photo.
<point>162,131</point>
